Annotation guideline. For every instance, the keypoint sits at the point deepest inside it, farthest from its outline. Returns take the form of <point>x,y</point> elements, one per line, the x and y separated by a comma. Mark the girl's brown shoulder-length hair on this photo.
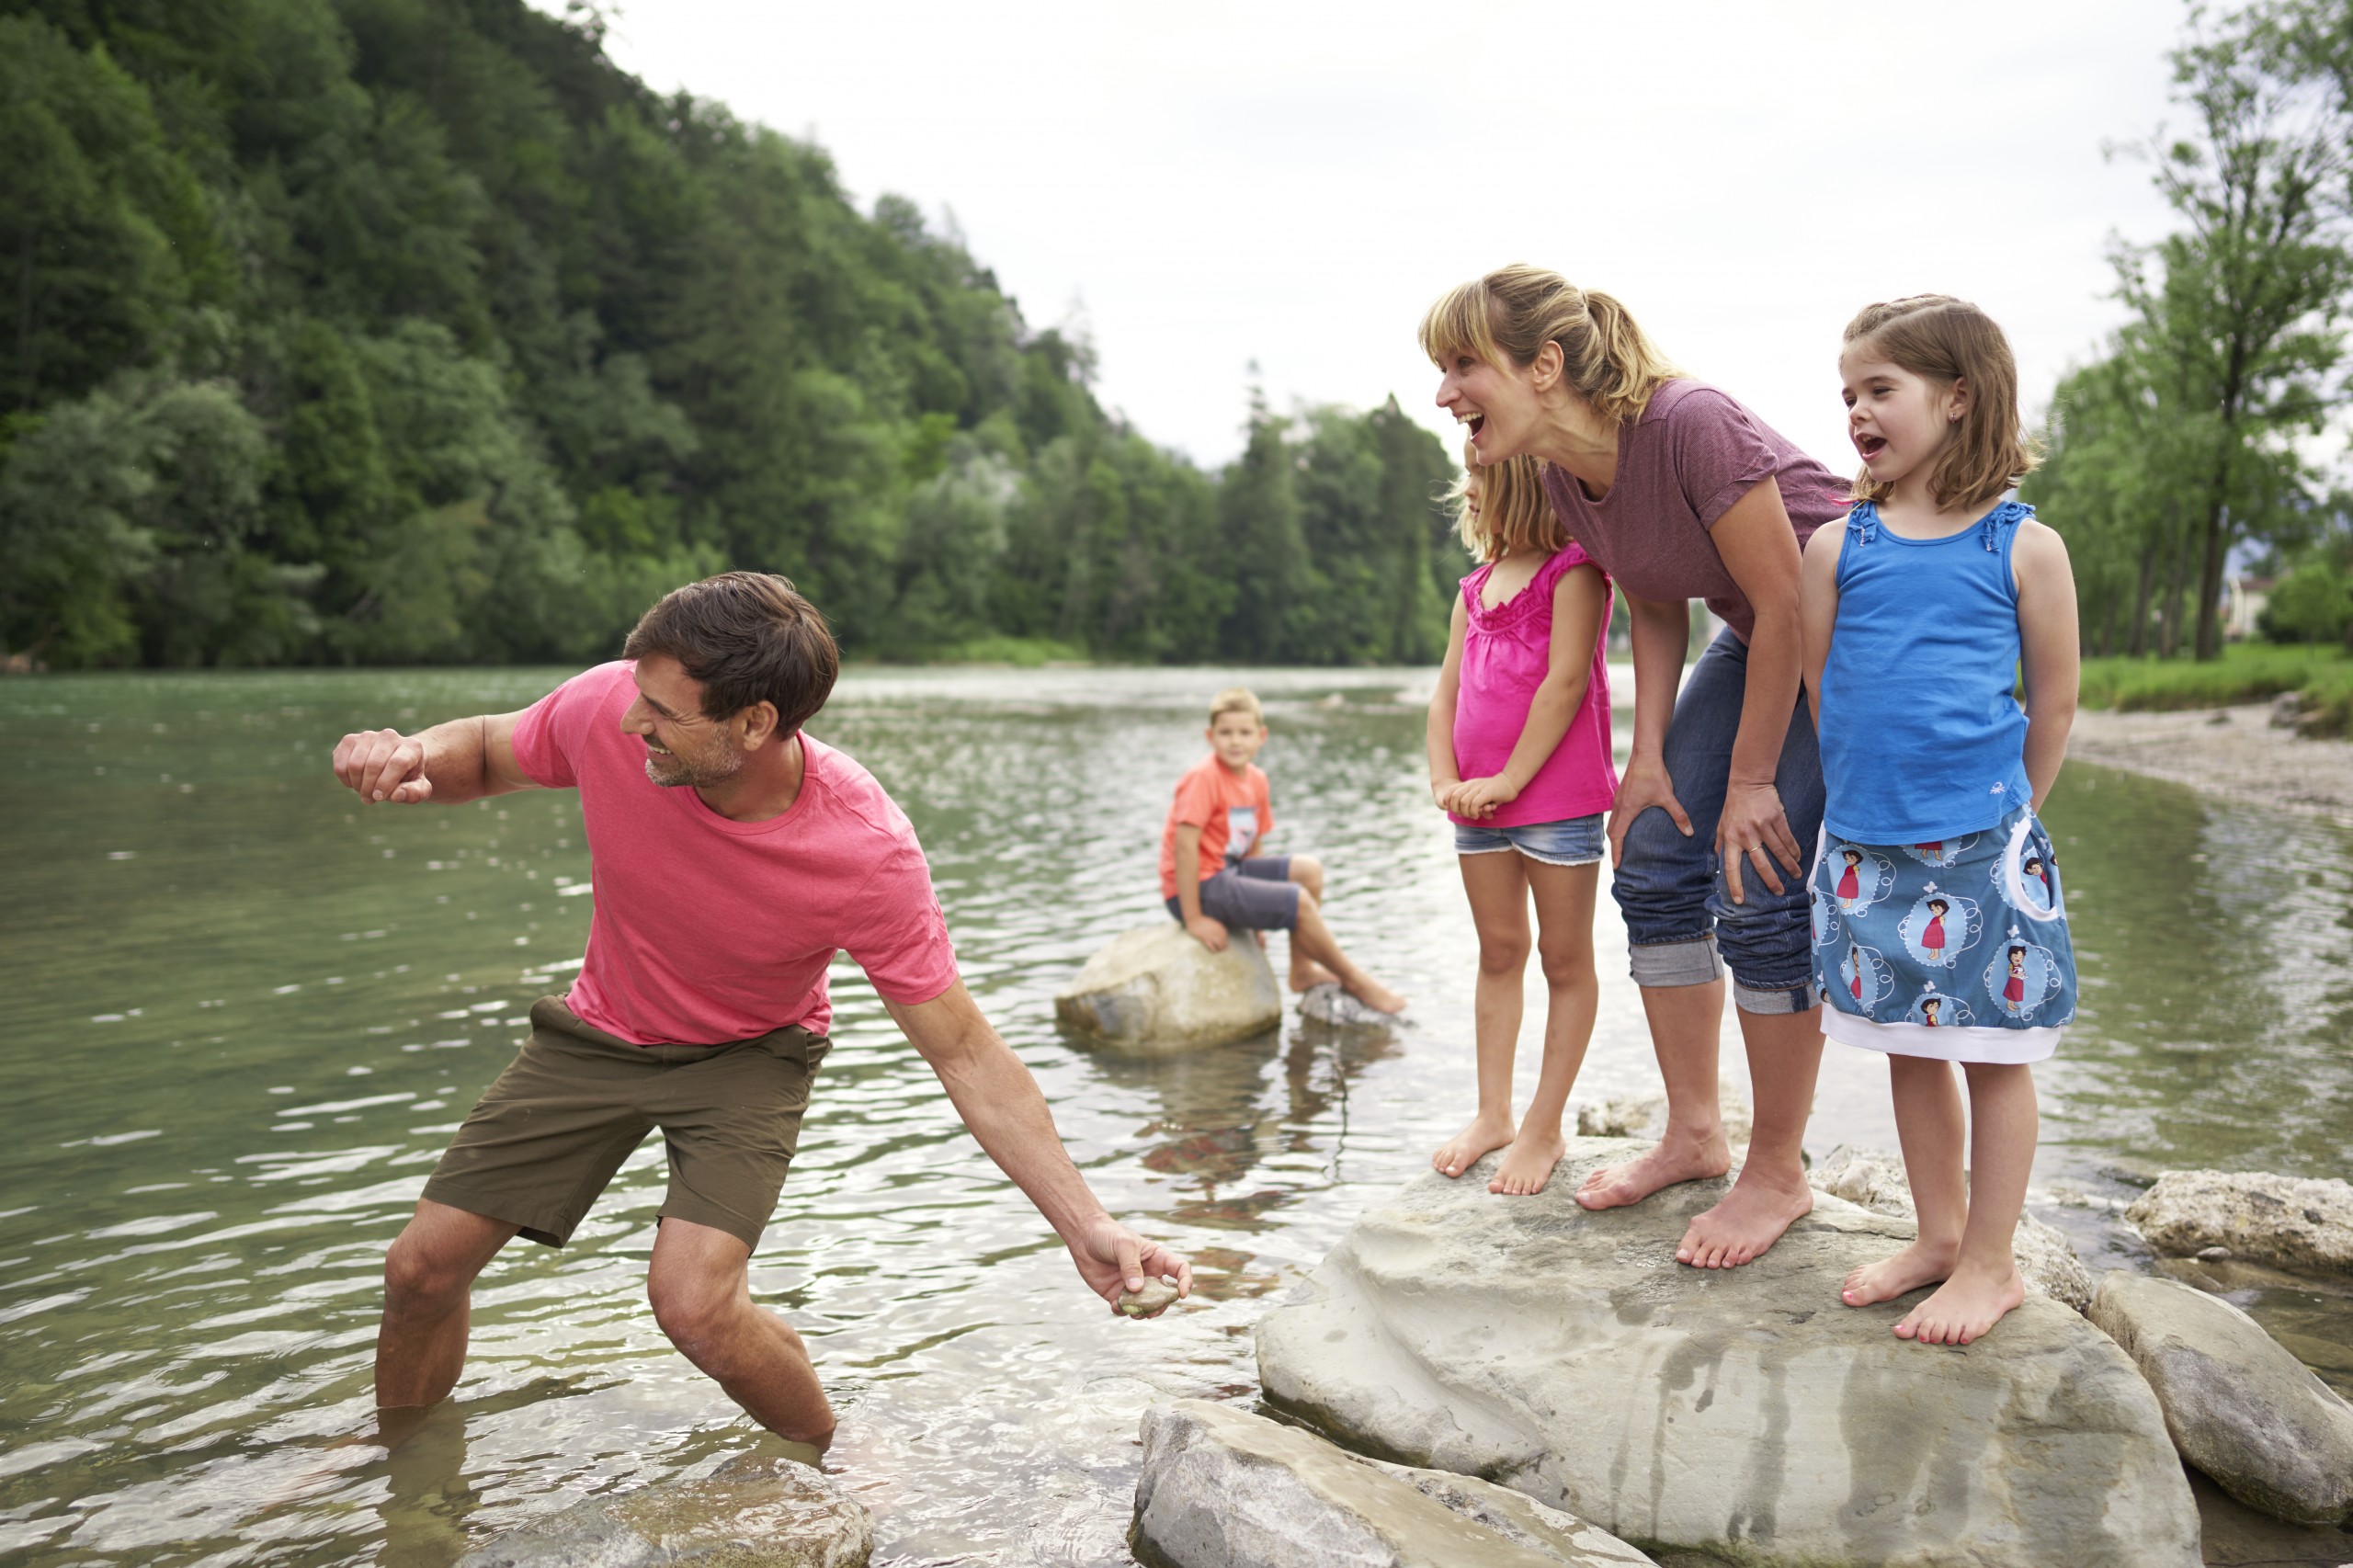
<point>1943,339</point>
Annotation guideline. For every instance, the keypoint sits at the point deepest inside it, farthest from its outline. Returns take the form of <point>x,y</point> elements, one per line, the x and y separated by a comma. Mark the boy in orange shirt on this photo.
<point>1213,875</point>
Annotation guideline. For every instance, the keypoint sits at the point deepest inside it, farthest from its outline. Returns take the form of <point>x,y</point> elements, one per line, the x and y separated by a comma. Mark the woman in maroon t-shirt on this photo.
<point>1680,493</point>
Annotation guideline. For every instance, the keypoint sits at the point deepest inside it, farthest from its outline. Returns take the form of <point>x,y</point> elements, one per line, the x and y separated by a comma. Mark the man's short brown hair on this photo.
<point>747,636</point>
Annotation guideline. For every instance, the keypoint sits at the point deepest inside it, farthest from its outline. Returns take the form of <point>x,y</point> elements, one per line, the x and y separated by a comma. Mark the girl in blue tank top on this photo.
<point>1939,915</point>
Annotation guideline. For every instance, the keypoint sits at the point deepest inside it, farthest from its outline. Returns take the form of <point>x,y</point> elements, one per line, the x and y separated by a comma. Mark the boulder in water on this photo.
<point>753,1512</point>
<point>1156,989</point>
<point>2296,1222</point>
<point>1743,1412</point>
<point>1223,1488</point>
<point>2239,1405</point>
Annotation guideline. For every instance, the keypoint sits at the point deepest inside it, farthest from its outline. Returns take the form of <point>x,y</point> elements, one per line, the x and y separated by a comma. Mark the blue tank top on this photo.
<point>1922,737</point>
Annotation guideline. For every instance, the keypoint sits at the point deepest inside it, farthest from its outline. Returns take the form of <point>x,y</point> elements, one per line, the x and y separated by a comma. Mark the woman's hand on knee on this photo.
<point>1753,830</point>
<point>1644,785</point>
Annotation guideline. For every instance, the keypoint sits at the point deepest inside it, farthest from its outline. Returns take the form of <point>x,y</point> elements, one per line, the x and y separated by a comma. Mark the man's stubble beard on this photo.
<point>686,774</point>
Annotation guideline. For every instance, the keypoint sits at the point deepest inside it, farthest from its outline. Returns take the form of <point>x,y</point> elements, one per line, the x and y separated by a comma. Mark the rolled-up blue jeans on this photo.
<point>1679,913</point>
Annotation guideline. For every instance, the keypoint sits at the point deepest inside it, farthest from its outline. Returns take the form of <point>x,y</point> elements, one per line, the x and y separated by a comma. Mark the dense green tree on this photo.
<point>412,330</point>
<point>2185,440</point>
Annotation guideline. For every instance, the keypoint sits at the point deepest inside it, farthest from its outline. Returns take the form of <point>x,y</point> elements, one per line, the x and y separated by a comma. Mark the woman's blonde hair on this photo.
<point>1515,311</point>
<point>1512,512</point>
<point>1946,340</point>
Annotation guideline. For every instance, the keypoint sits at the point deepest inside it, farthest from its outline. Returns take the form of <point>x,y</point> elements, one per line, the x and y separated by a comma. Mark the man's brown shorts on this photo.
<point>575,1102</point>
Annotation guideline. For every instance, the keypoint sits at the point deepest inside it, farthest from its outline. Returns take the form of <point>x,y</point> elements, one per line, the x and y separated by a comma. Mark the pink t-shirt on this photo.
<point>1680,467</point>
<point>1506,653</point>
<point>708,930</point>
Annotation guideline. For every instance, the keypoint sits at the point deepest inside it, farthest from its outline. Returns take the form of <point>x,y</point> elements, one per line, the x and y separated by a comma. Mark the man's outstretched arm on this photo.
<point>463,760</point>
<point>1001,1104</point>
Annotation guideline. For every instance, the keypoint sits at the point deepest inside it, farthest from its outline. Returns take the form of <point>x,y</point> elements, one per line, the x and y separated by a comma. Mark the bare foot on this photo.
<point>1528,1165</point>
<point>1671,1160</point>
<point>1973,1300</point>
<point>1375,996</point>
<point>1306,975</point>
<point>1921,1263</point>
<point>1750,1219</point>
<point>1467,1148</point>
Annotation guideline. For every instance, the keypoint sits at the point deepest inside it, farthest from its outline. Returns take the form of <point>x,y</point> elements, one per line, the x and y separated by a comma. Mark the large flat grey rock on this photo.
<point>1223,1488</point>
<point>2295,1221</point>
<point>2239,1405</point>
<point>753,1512</point>
<point>1155,990</point>
<point>1746,1412</point>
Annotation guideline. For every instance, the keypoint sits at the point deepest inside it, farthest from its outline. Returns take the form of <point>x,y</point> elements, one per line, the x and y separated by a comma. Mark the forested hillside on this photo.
<point>413,330</point>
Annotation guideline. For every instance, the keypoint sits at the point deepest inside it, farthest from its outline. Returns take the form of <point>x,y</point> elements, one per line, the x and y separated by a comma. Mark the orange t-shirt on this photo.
<point>1232,813</point>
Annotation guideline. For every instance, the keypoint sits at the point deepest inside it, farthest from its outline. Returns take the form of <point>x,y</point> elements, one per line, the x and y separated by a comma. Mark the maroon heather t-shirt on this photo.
<point>1680,467</point>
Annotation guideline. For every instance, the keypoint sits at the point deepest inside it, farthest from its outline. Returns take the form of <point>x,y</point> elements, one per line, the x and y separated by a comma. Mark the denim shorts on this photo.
<point>1580,841</point>
<point>1678,909</point>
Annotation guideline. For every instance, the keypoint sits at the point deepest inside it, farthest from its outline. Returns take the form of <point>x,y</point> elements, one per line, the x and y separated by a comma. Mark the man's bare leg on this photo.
<point>703,1302</point>
<point>428,1292</point>
<point>1687,1024</point>
<point>1771,1194</point>
<point>1314,939</point>
<point>1497,887</point>
<point>1305,972</point>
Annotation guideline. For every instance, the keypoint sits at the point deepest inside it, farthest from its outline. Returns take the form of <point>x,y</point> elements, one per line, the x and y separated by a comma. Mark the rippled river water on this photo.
<point>245,1014</point>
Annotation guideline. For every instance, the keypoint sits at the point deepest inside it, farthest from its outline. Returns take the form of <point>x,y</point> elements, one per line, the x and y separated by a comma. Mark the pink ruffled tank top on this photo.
<point>1505,651</point>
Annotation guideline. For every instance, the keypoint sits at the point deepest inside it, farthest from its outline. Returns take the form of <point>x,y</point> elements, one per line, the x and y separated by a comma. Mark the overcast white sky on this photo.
<point>1206,185</point>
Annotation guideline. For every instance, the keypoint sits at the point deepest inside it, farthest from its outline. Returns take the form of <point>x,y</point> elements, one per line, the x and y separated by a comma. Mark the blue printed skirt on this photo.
<point>1956,949</point>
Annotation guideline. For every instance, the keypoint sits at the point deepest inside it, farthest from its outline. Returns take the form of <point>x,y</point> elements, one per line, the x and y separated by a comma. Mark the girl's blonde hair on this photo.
<point>1943,339</point>
<point>1515,311</point>
<point>1512,512</point>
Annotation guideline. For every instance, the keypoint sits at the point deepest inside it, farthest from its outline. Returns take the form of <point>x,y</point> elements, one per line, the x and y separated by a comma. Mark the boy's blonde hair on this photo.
<point>1943,339</point>
<point>1515,311</point>
<point>1512,512</point>
<point>1237,699</point>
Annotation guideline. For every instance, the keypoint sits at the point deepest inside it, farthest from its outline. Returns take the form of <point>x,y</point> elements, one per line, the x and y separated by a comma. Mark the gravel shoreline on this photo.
<point>2231,751</point>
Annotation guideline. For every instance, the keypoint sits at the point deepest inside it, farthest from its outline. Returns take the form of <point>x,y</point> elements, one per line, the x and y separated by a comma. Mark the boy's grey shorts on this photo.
<point>1256,894</point>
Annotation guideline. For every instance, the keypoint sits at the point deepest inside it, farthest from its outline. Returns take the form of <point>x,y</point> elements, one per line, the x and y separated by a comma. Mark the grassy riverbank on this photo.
<point>2247,672</point>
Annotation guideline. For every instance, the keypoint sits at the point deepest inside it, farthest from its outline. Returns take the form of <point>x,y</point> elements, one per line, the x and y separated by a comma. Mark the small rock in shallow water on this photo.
<point>2239,1405</point>
<point>753,1512</point>
<point>2212,1254</point>
<point>2293,1222</point>
<point>1153,1299</point>
<point>1327,1003</point>
<point>1223,1488</point>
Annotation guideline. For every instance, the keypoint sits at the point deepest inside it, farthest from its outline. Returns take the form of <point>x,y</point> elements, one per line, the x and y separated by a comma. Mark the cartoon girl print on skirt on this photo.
<point>1941,926</point>
<point>1933,970</point>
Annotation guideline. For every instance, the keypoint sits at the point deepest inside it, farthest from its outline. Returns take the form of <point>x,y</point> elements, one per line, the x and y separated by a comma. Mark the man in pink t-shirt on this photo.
<point>731,857</point>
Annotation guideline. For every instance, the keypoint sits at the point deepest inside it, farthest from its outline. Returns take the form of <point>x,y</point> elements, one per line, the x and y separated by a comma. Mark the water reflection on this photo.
<point>245,1017</point>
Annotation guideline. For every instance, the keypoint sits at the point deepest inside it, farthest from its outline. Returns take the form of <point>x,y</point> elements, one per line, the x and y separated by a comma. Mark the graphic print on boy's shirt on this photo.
<point>1241,832</point>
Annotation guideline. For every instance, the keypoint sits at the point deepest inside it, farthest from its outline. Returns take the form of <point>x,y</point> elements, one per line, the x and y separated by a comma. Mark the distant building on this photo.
<point>2243,601</point>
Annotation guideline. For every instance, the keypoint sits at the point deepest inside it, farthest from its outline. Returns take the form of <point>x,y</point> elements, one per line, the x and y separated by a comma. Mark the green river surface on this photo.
<point>246,1012</point>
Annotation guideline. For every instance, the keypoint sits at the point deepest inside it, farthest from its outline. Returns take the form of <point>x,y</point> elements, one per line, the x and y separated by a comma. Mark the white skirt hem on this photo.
<point>1959,1042</point>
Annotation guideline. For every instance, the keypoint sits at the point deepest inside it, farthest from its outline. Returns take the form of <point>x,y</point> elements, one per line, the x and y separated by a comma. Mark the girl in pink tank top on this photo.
<point>1520,762</point>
